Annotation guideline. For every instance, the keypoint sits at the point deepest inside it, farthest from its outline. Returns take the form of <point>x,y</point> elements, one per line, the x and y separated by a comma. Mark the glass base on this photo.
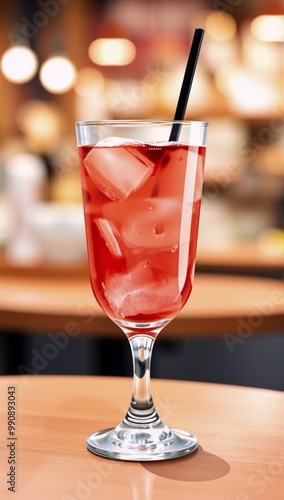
<point>143,445</point>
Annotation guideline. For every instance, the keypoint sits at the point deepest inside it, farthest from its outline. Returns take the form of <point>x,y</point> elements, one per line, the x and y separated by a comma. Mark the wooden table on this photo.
<point>240,257</point>
<point>43,299</point>
<point>240,432</point>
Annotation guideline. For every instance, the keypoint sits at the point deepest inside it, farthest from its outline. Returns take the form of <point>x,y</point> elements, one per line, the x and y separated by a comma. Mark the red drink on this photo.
<point>142,205</point>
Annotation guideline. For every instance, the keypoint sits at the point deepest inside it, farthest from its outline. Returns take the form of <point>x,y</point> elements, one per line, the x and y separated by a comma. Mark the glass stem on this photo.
<point>141,412</point>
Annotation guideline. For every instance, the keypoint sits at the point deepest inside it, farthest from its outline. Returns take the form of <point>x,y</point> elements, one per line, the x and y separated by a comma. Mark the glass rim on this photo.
<point>139,122</point>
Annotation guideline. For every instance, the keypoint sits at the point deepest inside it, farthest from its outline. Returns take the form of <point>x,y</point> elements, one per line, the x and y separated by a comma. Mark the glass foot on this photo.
<point>141,446</point>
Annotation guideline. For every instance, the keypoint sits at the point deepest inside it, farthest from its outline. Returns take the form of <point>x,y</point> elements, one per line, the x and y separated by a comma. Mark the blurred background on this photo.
<point>69,60</point>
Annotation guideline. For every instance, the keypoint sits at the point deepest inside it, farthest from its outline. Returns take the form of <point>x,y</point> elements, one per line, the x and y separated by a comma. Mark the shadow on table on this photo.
<point>199,466</point>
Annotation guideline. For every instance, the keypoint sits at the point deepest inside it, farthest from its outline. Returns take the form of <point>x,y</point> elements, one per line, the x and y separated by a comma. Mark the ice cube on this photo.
<point>109,233</point>
<point>170,182</point>
<point>183,167</point>
<point>150,223</point>
<point>143,290</point>
<point>118,171</point>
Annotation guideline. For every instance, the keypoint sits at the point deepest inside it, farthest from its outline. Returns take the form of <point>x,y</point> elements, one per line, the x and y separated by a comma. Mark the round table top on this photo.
<point>50,299</point>
<point>240,432</point>
<point>242,257</point>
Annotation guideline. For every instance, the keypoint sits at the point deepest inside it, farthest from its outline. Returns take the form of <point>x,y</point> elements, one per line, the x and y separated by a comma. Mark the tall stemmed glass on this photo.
<point>142,197</point>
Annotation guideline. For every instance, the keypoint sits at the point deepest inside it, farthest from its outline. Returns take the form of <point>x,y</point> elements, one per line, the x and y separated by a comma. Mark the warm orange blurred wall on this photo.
<point>10,94</point>
<point>71,22</point>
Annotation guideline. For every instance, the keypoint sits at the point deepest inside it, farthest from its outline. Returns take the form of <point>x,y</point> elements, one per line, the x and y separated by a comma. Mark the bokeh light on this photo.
<point>57,74</point>
<point>268,28</point>
<point>19,64</point>
<point>112,51</point>
<point>41,123</point>
<point>89,83</point>
<point>246,91</point>
<point>220,26</point>
<point>271,242</point>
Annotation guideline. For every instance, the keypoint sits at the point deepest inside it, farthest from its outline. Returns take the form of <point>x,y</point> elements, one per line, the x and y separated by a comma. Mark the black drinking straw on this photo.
<point>187,83</point>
